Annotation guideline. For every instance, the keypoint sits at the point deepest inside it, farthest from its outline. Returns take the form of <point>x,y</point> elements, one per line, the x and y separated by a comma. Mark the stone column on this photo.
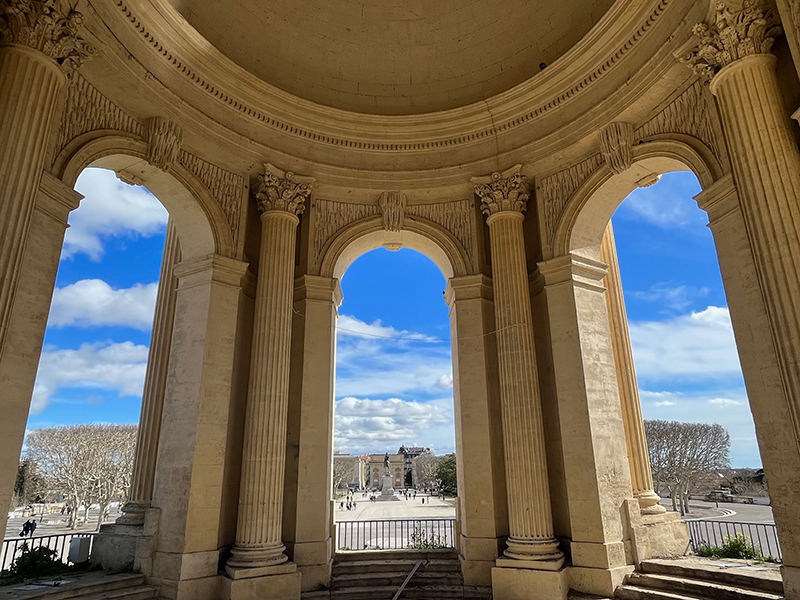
<point>155,383</point>
<point>777,441</point>
<point>259,543</point>
<point>23,343</point>
<point>37,39</point>
<point>309,473</point>
<point>531,541</point>
<point>479,433</point>
<point>638,455</point>
<point>734,54</point>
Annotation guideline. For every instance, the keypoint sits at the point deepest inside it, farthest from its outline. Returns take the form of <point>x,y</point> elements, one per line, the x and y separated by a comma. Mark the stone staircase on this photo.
<point>694,578</point>
<point>88,586</point>
<point>378,575</point>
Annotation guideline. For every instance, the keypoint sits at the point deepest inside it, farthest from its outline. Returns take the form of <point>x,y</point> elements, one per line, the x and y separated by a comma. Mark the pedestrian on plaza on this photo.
<point>423,499</point>
<point>26,527</point>
<point>33,527</point>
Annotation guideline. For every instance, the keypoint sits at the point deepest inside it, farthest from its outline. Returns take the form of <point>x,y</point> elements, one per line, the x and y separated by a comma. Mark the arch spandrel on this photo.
<point>580,224</point>
<point>202,224</point>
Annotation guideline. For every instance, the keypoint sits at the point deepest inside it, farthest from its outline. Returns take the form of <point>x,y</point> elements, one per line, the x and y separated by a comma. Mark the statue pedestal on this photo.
<point>387,491</point>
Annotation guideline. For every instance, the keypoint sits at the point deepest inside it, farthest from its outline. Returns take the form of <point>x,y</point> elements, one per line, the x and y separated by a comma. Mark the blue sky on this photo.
<point>394,374</point>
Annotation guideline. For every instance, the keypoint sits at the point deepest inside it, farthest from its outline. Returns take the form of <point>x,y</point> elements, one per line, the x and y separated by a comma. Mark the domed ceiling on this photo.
<point>393,56</point>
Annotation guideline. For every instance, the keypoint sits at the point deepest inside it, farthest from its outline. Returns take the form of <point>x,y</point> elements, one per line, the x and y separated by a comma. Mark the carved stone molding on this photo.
<point>49,26</point>
<point>393,206</point>
<point>502,192</point>
<point>454,217</point>
<point>688,114</point>
<point>86,110</point>
<point>733,35</point>
<point>331,216</point>
<point>282,190</point>
<point>557,189</point>
<point>616,144</point>
<point>227,188</point>
<point>164,138</point>
<point>267,114</point>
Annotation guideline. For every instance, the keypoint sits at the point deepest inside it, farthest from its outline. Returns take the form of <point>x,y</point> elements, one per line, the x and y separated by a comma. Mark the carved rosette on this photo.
<point>164,138</point>
<point>282,191</point>
<point>50,26</point>
<point>616,146</point>
<point>503,192</point>
<point>393,208</point>
<point>734,35</point>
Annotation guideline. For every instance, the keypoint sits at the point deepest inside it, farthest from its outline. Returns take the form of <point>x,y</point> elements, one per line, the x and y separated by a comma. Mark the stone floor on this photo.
<point>434,508</point>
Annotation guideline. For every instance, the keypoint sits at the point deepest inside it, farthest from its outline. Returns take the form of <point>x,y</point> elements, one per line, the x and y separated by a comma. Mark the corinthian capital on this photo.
<point>500,192</point>
<point>50,26</point>
<point>734,34</point>
<point>282,190</point>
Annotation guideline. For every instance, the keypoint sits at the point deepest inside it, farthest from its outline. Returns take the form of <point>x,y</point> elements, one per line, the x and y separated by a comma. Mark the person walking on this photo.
<point>33,527</point>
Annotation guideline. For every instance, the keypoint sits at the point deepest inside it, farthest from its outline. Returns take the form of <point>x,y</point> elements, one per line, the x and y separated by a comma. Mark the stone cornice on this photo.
<point>612,40</point>
<point>733,35</point>
<point>49,26</point>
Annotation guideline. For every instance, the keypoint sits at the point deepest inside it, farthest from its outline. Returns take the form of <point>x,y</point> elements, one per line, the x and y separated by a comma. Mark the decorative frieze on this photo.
<point>164,138</point>
<point>558,188</point>
<point>393,206</point>
<point>456,217</point>
<point>616,145</point>
<point>501,192</point>
<point>688,114</point>
<point>49,26</point>
<point>227,188</point>
<point>282,190</point>
<point>331,216</point>
<point>86,110</point>
<point>733,35</point>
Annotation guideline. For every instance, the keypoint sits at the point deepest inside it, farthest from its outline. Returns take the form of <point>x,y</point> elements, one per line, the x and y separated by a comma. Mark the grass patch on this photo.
<point>734,546</point>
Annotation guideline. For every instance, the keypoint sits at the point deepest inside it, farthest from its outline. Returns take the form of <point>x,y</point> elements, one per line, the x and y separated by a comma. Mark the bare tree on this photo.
<point>683,454</point>
<point>84,463</point>
<point>344,470</point>
<point>425,467</point>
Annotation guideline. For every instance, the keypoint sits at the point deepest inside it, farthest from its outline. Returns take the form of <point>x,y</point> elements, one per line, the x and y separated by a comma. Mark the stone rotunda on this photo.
<point>288,138</point>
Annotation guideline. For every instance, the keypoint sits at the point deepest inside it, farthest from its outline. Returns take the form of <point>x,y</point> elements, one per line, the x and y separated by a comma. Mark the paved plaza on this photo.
<point>433,508</point>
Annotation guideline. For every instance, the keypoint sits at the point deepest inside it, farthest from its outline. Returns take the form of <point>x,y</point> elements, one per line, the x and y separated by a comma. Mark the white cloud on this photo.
<point>667,204</point>
<point>101,365</point>
<point>110,208</point>
<point>675,297</point>
<point>93,303</point>
<point>725,402</point>
<point>351,326</point>
<point>364,425</point>
<point>695,346</point>
<point>445,382</point>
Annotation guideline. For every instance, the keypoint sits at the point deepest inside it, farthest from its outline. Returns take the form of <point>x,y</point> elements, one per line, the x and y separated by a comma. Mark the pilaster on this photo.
<point>483,506</point>
<point>596,469</point>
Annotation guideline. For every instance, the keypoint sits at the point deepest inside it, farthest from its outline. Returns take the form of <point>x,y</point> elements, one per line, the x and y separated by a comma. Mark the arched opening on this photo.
<point>394,416</point>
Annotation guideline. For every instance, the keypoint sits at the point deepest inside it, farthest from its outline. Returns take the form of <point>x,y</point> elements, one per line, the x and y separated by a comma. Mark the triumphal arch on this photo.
<point>286,139</point>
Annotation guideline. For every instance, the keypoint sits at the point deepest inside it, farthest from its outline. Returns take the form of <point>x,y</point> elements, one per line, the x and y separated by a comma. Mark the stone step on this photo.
<point>696,588</point>
<point>431,592</point>
<point>398,566</point>
<point>87,585</point>
<point>632,592</point>
<point>726,572</point>
<point>394,578</point>
<point>137,593</point>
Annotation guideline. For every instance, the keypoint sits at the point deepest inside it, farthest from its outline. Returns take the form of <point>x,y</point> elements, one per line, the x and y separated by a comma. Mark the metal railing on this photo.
<point>57,542</point>
<point>762,537</point>
<point>395,534</point>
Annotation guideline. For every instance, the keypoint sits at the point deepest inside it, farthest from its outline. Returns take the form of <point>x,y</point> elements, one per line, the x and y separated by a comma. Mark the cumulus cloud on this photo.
<point>696,346</point>
<point>351,326</point>
<point>105,366</point>
<point>94,303</point>
<point>364,425</point>
<point>445,382</point>
<point>110,208</point>
<point>668,204</point>
<point>675,297</point>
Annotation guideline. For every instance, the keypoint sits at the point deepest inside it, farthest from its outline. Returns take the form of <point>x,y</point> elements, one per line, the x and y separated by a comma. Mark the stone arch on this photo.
<point>418,234</point>
<point>199,220</point>
<point>588,211</point>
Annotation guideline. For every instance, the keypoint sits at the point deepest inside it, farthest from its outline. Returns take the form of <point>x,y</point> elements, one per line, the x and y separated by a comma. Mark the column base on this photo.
<point>791,582</point>
<point>281,582</point>
<point>315,563</point>
<point>114,547</point>
<point>509,583</point>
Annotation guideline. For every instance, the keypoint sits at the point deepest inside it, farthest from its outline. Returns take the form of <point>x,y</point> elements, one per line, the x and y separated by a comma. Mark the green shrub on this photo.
<point>32,563</point>
<point>421,541</point>
<point>734,546</point>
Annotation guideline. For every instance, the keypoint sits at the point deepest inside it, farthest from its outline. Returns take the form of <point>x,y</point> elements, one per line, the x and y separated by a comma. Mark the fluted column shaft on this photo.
<point>531,535</point>
<point>155,382</point>
<point>30,83</point>
<point>766,169</point>
<point>632,420</point>
<point>258,530</point>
